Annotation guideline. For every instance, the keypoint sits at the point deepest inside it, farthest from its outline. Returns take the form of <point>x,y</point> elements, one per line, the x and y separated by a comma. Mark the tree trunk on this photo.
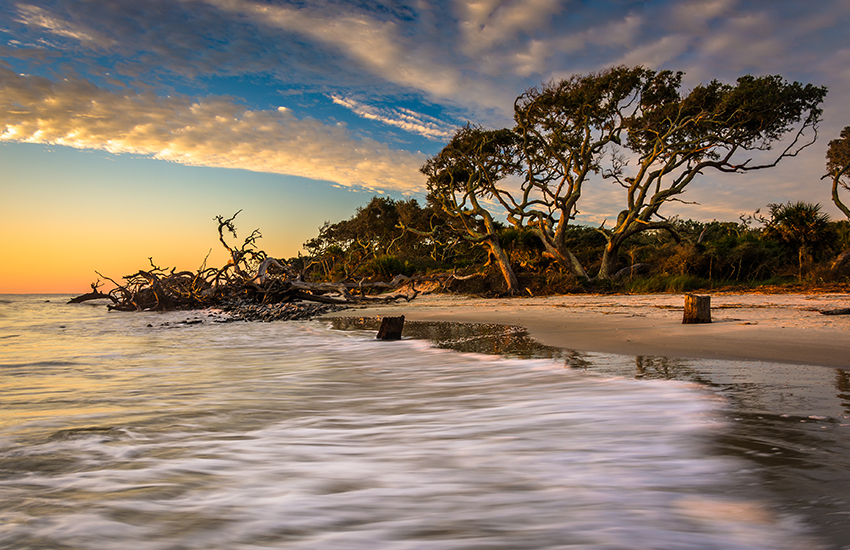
<point>391,328</point>
<point>840,260</point>
<point>504,265</point>
<point>835,197</point>
<point>697,309</point>
<point>567,259</point>
<point>562,254</point>
<point>609,261</point>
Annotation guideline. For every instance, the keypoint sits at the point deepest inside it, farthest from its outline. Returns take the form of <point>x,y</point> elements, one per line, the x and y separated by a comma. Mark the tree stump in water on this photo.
<point>391,328</point>
<point>697,309</point>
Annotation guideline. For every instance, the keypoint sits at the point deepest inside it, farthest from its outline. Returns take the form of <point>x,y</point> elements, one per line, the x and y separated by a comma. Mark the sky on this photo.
<point>126,126</point>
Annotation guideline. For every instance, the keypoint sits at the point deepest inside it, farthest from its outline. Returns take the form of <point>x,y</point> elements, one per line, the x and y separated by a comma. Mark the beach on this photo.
<point>778,328</point>
<point>778,363</point>
<point>178,428</point>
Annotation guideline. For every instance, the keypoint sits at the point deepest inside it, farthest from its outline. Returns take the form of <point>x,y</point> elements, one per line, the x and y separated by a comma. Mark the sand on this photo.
<point>781,328</point>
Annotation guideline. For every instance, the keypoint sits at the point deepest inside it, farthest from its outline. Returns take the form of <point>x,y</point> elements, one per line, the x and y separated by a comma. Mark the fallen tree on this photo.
<point>251,276</point>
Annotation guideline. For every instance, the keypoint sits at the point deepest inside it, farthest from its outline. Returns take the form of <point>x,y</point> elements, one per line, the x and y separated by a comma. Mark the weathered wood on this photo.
<point>631,270</point>
<point>697,309</point>
<point>841,311</point>
<point>96,295</point>
<point>840,261</point>
<point>252,276</point>
<point>391,328</point>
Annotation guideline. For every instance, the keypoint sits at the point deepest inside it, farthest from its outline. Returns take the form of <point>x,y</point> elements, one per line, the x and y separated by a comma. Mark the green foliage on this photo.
<point>799,224</point>
<point>576,132</point>
<point>350,247</point>
<point>666,283</point>
<point>802,227</point>
<point>388,266</point>
<point>707,255</point>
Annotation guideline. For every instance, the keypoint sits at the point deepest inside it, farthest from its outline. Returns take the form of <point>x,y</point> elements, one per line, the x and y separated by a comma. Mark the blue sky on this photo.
<point>128,125</point>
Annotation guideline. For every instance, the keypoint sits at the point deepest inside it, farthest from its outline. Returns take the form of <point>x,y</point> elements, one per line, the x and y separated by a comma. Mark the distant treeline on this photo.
<point>790,243</point>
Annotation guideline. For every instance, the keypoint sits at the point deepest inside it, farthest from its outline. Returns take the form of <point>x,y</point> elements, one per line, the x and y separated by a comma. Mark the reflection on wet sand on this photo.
<point>791,422</point>
<point>842,383</point>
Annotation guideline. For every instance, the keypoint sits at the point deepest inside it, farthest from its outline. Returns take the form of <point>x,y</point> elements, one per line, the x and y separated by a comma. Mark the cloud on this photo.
<point>487,23</point>
<point>380,46</point>
<point>39,17</point>
<point>467,57</point>
<point>400,117</point>
<point>329,46</point>
<point>214,131</point>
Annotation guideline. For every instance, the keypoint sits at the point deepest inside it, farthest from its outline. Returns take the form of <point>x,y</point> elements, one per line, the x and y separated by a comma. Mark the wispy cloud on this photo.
<point>467,57</point>
<point>39,17</point>
<point>380,46</point>
<point>485,24</point>
<point>400,117</point>
<point>214,131</point>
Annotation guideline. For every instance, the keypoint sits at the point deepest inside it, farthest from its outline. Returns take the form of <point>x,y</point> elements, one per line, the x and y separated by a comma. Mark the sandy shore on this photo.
<point>783,328</point>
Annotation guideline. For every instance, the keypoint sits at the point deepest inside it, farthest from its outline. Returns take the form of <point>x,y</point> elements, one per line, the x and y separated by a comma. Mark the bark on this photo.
<point>561,253</point>
<point>391,328</point>
<point>840,260</point>
<point>609,261</point>
<point>95,295</point>
<point>697,309</point>
<point>630,270</point>
<point>835,197</point>
<point>504,266</point>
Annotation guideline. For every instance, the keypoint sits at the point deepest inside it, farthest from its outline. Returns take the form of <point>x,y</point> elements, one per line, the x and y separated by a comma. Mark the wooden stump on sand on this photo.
<point>391,328</point>
<point>697,309</point>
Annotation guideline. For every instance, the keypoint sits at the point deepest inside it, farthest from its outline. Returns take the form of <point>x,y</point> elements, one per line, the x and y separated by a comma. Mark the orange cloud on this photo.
<point>214,132</point>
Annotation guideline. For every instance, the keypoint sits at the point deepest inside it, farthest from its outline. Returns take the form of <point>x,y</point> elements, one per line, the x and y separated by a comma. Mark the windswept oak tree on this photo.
<point>565,128</point>
<point>599,123</point>
<point>713,127</point>
<point>464,175</point>
<point>838,167</point>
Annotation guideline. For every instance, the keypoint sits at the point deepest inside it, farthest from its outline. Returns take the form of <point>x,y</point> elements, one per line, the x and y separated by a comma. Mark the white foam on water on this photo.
<point>288,435</point>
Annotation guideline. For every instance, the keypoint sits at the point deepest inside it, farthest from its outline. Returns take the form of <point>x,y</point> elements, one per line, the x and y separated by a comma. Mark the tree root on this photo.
<point>251,276</point>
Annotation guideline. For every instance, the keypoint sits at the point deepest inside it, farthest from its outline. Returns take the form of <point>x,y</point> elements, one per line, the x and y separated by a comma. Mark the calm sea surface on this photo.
<point>145,431</point>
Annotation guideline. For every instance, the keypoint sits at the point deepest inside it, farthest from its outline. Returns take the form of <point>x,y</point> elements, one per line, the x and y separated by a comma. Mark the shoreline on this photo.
<point>776,328</point>
<point>786,417</point>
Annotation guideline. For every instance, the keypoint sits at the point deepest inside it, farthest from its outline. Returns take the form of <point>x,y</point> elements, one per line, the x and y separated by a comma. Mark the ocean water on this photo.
<point>156,431</point>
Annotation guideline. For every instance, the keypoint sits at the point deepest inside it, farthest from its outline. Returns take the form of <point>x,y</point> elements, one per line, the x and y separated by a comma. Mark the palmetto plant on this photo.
<point>802,225</point>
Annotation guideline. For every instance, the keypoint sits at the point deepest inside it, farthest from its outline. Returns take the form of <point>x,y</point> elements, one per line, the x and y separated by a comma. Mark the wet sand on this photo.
<point>778,328</point>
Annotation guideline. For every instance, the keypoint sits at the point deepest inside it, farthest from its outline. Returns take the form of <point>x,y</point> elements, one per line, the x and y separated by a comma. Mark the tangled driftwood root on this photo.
<point>250,278</point>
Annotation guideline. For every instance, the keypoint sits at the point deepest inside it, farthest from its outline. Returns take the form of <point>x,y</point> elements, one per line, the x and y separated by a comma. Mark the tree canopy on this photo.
<point>467,172</point>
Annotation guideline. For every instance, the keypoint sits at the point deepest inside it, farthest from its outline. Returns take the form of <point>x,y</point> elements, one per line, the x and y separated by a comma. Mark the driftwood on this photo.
<point>841,311</point>
<point>250,275</point>
<point>697,309</point>
<point>631,270</point>
<point>391,328</point>
<point>95,294</point>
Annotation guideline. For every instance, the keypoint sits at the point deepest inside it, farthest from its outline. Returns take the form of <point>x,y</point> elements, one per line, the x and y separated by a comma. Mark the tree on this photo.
<point>678,137</point>
<point>597,124</point>
<point>373,232</point>
<point>802,225</point>
<point>565,128</point>
<point>463,175</point>
<point>838,167</point>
